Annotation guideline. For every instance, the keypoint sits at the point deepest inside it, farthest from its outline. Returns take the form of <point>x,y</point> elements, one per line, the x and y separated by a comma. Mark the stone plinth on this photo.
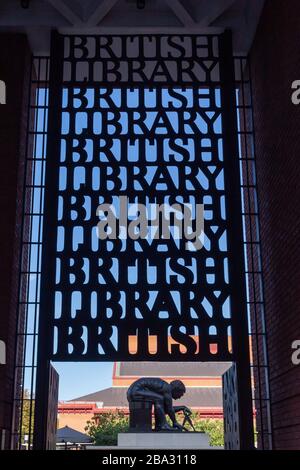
<point>163,440</point>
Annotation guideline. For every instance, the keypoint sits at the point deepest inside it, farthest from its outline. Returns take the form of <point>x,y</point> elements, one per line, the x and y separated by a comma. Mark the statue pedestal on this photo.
<point>140,416</point>
<point>163,440</point>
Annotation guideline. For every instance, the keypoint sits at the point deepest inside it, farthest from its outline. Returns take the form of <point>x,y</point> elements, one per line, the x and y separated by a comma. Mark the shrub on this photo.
<point>104,429</point>
<point>213,427</point>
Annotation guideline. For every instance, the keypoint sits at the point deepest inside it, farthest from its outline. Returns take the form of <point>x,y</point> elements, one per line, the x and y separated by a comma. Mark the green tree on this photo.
<point>213,427</point>
<point>105,427</point>
<point>26,409</point>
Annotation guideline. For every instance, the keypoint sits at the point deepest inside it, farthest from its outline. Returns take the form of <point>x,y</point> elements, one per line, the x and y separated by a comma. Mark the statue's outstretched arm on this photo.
<point>183,408</point>
<point>170,410</point>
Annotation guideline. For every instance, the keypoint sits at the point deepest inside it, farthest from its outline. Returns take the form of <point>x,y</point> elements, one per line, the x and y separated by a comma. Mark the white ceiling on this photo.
<point>123,16</point>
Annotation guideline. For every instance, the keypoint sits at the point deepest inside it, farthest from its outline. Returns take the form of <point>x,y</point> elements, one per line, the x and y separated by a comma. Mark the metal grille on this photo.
<point>31,251</point>
<point>230,410</point>
<point>157,145</point>
<point>125,276</point>
<point>253,258</point>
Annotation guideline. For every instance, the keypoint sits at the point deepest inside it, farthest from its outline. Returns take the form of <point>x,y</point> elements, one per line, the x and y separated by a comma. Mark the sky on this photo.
<point>81,378</point>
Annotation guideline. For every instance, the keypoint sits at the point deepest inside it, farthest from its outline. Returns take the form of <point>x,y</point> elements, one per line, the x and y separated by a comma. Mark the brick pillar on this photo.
<point>275,60</point>
<point>14,71</point>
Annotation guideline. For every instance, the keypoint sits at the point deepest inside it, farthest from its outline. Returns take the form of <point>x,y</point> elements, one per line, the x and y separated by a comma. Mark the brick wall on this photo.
<point>275,60</point>
<point>14,70</point>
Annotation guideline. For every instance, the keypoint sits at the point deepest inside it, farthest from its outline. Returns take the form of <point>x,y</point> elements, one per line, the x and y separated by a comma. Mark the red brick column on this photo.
<point>275,59</point>
<point>14,71</point>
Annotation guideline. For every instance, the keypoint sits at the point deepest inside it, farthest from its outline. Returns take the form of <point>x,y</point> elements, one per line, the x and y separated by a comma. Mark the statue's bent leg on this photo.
<point>159,409</point>
<point>160,416</point>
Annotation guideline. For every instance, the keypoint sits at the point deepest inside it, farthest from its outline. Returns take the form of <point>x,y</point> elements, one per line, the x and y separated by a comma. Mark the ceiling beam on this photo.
<point>181,12</point>
<point>216,9</point>
<point>66,12</point>
<point>132,30</point>
<point>101,11</point>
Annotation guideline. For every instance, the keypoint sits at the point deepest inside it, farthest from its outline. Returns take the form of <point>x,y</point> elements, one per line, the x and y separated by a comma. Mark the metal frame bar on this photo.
<point>235,236</point>
<point>252,249</point>
<point>48,264</point>
<point>29,278</point>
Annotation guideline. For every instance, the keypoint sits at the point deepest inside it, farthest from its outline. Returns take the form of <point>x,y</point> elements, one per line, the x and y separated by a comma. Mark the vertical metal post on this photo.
<point>45,338</point>
<point>240,334</point>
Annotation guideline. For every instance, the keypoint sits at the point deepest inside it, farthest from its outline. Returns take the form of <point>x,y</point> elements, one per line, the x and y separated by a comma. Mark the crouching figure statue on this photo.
<point>149,391</point>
